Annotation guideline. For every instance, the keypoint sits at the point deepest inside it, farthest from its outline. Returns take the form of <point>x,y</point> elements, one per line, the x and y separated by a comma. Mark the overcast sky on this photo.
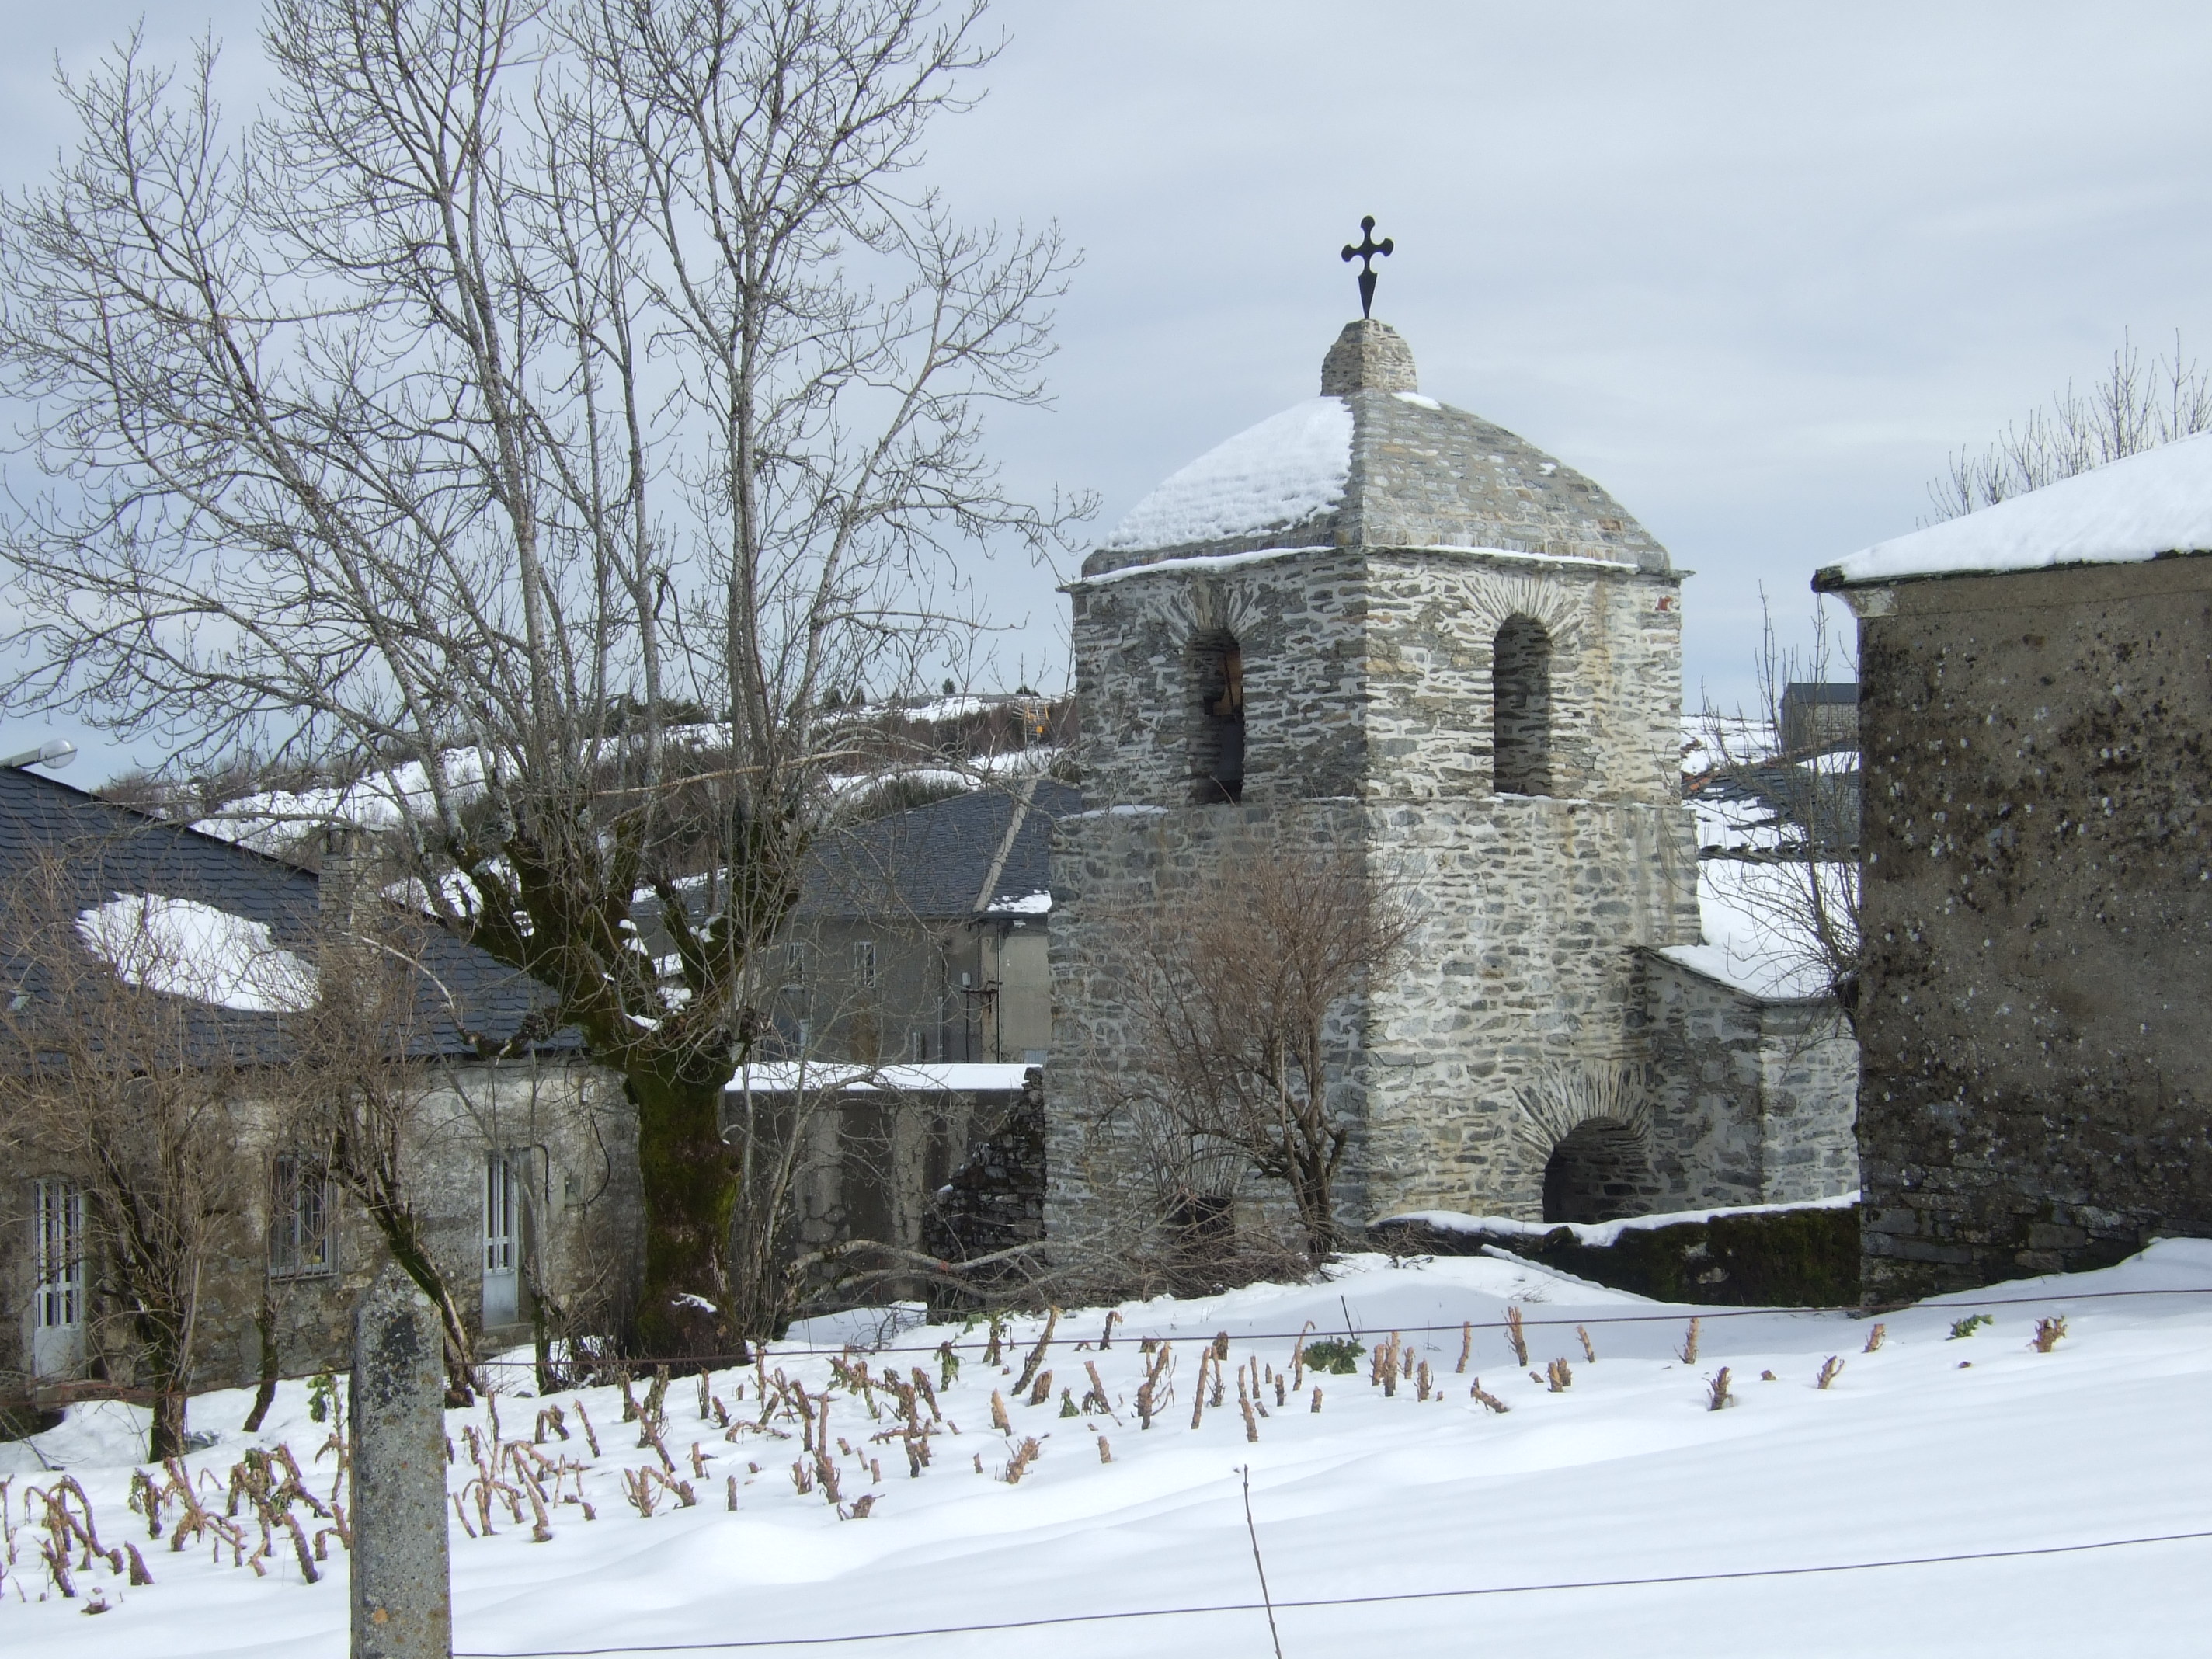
<point>1756,269</point>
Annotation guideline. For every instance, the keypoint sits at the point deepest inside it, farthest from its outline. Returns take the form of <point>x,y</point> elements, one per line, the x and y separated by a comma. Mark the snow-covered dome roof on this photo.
<point>1373,462</point>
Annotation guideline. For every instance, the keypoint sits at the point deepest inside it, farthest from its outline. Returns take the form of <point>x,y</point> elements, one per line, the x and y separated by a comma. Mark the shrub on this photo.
<point>1806,1257</point>
<point>1337,1355</point>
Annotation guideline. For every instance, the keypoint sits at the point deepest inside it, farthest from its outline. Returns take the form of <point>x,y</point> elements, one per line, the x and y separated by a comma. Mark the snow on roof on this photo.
<point>1756,938</point>
<point>380,799</point>
<point>785,1076</point>
<point>1712,741</point>
<point>184,948</point>
<point>1287,470</point>
<point>2135,508</point>
<point>1037,903</point>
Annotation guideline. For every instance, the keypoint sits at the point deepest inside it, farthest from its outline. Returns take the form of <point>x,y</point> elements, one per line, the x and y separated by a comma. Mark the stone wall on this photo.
<point>2038,920</point>
<point>1112,1177</point>
<point>1752,1100</point>
<point>1516,1010</point>
<point>1300,621</point>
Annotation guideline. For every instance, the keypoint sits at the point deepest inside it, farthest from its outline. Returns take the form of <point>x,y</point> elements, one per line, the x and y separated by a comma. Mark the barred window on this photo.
<point>298,1219</point>
<point>59,1300</point>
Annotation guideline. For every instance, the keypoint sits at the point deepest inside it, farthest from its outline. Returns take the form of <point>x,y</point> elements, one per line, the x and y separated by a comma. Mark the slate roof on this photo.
<point>108,851</point>
<point>931,863</point>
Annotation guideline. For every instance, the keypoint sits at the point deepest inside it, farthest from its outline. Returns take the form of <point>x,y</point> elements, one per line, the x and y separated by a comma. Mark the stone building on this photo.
<point>524,1166</point>
<point>1378,623</point>
<point>2038,912</point>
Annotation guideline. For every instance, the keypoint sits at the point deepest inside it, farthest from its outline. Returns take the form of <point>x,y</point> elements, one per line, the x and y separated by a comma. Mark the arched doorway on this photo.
<point>1597,1172</point>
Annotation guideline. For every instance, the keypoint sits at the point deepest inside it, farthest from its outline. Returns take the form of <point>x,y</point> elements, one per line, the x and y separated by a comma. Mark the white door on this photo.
<point>502,1241</point>
<point>57,1304</point>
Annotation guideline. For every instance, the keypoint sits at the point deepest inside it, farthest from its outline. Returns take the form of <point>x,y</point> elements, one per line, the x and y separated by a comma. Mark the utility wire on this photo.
<point>1377,1599</point>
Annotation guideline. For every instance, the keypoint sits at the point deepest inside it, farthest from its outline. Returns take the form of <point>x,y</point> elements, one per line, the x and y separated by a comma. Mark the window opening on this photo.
<point>502,1238</point>
<point>298,1219</point>
<point>1521,706</point>
<point>57,1292</point>
<point>60,1294</point>
<point>1218,747</point>
<point>864,963</point>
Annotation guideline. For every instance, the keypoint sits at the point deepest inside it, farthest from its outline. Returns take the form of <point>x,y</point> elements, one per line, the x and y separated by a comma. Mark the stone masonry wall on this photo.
<point>1517,1015</point>
<point>2038,920</point>
<point>1517,998</point>
<point>1616,644</point>
<point>1751,1100</point>
<point>1103,1157</point>
<point>1300,620</point>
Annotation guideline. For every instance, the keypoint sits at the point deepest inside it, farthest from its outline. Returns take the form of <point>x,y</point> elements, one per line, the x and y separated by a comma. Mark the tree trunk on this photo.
<point>165,1370</point>
<point>265,1395</point>
<point>690,1176</point>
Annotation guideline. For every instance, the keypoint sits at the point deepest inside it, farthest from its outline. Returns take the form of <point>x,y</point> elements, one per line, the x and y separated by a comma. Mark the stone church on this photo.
<point>1377,623</point>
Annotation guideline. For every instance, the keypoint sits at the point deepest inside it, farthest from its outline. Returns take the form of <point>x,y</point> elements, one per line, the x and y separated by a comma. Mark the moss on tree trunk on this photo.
<point>689,1177</point>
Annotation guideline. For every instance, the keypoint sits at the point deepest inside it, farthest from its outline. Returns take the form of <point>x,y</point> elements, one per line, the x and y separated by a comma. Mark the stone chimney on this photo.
<point>338,885</point>
<point>1368,356</point>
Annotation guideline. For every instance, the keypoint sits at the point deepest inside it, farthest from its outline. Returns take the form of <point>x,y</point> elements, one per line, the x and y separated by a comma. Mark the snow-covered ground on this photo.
<point>1754,1530</point>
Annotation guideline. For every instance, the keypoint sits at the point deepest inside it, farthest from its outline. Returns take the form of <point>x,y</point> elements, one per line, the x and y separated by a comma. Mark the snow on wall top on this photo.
<point>785,1076</point>
<point>184,948</point>
<point>1290,468</point>
<point>2131,509</point>
<point>1757,937</point>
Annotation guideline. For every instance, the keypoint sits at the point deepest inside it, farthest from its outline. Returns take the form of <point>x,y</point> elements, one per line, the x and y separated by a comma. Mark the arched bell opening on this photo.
<point>1520,705</point>
<point>1217,734</point>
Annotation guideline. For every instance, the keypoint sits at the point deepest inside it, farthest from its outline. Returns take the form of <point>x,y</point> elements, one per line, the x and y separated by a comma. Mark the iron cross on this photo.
<point>1365,253</point>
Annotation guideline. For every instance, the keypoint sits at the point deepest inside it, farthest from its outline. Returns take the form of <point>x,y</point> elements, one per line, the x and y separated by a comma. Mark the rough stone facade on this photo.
<point>2038,920</point>
<point>1745,1094</point>
<point>1372,686</point>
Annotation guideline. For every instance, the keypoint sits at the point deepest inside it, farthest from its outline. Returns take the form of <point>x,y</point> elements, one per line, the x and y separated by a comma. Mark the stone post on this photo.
<point>402,1594</point>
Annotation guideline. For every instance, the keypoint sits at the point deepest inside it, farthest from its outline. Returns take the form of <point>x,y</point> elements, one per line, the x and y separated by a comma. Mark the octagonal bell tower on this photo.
<point>1377,623</point>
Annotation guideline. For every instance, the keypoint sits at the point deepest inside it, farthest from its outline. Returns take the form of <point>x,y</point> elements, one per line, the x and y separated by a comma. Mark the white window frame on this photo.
<point>57,1303</point>
<point>298,1219</point>
<point>863,962</point>
<point>502,1213</point>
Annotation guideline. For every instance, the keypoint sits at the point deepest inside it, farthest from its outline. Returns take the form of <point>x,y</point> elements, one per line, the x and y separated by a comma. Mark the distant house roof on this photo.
<point>936,862</point>
<point>120,865</point>
<point>2141,506</point>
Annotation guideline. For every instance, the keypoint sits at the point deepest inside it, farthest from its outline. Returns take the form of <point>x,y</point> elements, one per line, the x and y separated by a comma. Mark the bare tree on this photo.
<point>532,378</point>
<point>2131,409</point>
<point>1789,855</point>
<point>1232,999</point>
<point>361,1063</point>
<point>121,1081</point>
